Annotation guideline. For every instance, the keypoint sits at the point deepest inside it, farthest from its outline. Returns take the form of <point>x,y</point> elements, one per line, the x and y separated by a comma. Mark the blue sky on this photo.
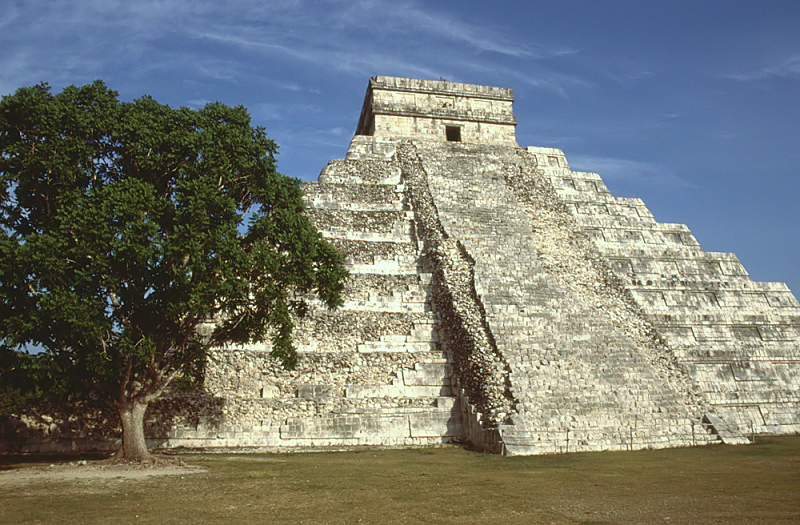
<point>693,106</point>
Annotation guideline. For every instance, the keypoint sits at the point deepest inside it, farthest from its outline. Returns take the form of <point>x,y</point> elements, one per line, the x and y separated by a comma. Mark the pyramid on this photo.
<point>500,299</point>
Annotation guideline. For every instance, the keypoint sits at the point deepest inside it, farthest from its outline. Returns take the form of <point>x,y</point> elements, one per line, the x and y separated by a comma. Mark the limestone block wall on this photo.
<point>739,339</point>
<point>426,128</point>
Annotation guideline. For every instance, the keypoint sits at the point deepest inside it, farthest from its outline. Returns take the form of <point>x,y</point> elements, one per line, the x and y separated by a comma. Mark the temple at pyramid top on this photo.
<point>437,110</point>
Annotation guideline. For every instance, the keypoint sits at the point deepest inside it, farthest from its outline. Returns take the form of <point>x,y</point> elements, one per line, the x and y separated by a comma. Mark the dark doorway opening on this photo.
<point>453,133</point>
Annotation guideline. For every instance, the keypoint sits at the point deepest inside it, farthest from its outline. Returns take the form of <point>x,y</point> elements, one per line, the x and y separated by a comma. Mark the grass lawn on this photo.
<point>753,484</point>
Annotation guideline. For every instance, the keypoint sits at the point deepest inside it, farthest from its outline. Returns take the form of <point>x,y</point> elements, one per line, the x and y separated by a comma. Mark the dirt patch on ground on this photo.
<point>91,470</point>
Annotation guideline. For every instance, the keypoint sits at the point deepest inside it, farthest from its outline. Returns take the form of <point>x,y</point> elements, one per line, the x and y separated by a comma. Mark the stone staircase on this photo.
<point>572,373</point>
<point>359,207</point>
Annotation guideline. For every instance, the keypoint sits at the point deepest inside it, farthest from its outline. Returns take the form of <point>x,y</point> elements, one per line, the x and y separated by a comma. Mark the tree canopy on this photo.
<point>127,226</point>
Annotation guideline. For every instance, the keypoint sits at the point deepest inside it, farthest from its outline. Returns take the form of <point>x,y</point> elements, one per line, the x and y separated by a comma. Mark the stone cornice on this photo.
<point>441,87</point>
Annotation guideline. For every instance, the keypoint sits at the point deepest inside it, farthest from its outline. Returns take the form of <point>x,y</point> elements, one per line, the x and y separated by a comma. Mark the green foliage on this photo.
<point>25,377</point>
<point>125,226</point>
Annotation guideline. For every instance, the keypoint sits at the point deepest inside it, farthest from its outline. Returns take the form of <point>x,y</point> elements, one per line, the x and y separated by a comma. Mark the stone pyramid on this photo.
<point>501,299</point>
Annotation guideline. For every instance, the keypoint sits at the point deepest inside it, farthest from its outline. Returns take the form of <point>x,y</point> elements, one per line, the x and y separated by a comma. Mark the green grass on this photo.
<point>752,484</point>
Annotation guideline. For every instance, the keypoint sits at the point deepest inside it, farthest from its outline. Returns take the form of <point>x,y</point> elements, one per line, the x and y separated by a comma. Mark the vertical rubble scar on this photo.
<point>481,371</point>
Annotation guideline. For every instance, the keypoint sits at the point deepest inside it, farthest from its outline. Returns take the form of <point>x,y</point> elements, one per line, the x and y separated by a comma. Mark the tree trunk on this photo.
<point>134,447</point>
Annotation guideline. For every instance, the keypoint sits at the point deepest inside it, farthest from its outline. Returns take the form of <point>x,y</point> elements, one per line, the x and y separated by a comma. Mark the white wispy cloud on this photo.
<point>551,80</point>
<point>415,19</point>
<point>787,67</point>
<point>218,69</point>
<point>291,86</point>
<point>199,103</point>
<point>628,171</point>
<point>631,76</point>
<point>273,111</point>
<point>88,39</point>
<point>337,37</point>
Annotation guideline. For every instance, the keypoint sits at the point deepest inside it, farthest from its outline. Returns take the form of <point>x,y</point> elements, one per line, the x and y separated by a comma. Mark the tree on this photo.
<point>125,226</point>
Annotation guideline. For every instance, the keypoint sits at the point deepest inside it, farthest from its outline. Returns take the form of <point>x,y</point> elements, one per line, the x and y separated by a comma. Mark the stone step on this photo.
<point>742,302</point>
<point>403,298</point>
<point>377,427</point>
<point>680,264</point>
<point>424,380</point>
<point>377,197</point>
<point>371,148</point>
<point>549,443</point>
<point>433,423</point>
<point>396,346</point>
<point>364,286</point>
<point>346,330</point>
<point>614,237</point>
<point>777,317</point>
<point>614,215</point>
<point>413,387</point>
<point>366,171</point>
<point>397,232</point>
<point>619,217</point>
<point>426,374</point>
<point>393,266</point>
<point>716,352</point>
<point>687,333</point>
<point>728,435</point>
<point>434,405</point>
<point>389,305</point>
<point>732,285</point>
<point>367,251</point>
<point>360,221</point>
